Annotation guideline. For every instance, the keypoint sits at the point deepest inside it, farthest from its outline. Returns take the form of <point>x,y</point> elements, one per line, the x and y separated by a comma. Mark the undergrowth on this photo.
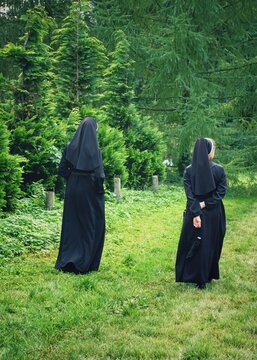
<point>32,228</point>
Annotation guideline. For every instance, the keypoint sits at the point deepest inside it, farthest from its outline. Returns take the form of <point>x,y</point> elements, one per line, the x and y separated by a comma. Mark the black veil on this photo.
<point>83,151</point>
<point>202,177</point>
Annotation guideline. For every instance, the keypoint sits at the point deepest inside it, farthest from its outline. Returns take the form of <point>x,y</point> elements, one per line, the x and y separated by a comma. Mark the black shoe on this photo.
<point>201,286</point>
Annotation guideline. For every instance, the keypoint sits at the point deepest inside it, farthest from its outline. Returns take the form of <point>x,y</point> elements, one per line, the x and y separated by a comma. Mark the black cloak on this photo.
<point>199,250</point>
<point>83,225</point>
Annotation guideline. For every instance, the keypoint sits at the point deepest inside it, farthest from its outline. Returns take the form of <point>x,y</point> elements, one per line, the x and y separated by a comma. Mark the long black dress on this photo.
<point>83,225</point>
<point>199,250</point>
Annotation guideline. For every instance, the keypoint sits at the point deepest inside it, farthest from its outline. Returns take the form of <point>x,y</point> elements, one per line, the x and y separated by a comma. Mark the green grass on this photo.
<point>132,308</point>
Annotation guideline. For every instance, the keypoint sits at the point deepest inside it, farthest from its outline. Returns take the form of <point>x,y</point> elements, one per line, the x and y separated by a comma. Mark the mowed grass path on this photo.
<point>132,308</point>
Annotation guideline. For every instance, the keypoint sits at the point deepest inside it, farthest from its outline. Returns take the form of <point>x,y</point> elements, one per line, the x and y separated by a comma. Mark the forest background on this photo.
<point>155,74</point>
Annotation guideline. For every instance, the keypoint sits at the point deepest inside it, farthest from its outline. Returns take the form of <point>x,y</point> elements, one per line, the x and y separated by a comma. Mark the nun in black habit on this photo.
<point>83,224</point>
<point>204,222</point>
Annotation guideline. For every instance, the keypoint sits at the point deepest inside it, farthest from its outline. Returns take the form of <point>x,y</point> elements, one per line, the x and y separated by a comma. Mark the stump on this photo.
<point>155,183</point>
<point>117,187</point>
<point>49,200</point>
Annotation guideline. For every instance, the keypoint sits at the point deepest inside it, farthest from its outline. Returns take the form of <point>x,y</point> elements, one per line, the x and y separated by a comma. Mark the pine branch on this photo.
<point>142,98</point>
<point>231,4</point>
<point>158,110</point>
<point>227,69</point>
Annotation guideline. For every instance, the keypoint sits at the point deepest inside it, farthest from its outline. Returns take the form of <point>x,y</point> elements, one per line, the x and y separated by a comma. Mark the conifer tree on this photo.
<point>10,173</point>
<point>114,153</point>
<point>32,133</point>
<point>195,69</point>
<point>79,61</point>
<point>143,141</point>
<point>10,165</point>
<point>118,84</point>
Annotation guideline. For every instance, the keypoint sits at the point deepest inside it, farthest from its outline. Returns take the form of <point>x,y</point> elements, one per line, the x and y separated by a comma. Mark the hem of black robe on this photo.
<point>198,281</point>
<point>71,268</point>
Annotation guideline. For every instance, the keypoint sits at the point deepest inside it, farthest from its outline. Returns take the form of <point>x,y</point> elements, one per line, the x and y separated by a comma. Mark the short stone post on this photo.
<point>155,183</point>
<point>117,187</point>
<point>49,200</point>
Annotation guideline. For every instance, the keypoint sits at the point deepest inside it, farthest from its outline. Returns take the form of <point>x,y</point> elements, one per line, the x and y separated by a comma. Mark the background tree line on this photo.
<point>64,73</point>
<point>186,67</point>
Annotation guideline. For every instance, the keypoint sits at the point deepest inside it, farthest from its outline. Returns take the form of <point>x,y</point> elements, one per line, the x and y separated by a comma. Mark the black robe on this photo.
<point>199,250</point>
<point>83,225</point>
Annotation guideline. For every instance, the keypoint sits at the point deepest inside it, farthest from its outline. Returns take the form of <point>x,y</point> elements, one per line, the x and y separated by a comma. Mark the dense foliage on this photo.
<point>143,141</point>
<point>195,65</point>
<point>79,61</point>
<point>10,165</point>
<point>33,135</point>
<point>10,172</point>
<point>64,74</point>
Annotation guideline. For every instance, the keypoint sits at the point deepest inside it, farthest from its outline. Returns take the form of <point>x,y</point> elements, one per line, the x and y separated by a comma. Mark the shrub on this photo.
<point>145,153</point>
<point>10,173</point>
<point>114,154</point>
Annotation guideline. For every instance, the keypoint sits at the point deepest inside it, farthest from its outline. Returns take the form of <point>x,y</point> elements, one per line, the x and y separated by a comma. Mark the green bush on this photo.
<point>143,141</point>
<point>145,153</point>
<point>34,135</point>
<point>114,154</point>
<point>10,173</point>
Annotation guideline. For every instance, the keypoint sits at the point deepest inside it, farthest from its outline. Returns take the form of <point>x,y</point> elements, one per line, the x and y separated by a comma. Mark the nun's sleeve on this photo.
<point>192,203</point>
<point>219,193</point>
<point>64,168</point>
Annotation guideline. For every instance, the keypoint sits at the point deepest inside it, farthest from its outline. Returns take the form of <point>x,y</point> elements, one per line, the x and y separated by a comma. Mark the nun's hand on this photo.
<point>197,222</point>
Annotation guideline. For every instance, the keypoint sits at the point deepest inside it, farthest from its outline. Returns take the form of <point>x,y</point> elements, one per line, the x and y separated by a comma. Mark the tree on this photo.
<point>118,92</point>
<point>143,141</point>
<point>33,136</point>
<point>193,60</point>
<point>11,25</point>
<point>79,61</point>
<point>10,165</point>
<point>112,144</point>
<point>10,170</point>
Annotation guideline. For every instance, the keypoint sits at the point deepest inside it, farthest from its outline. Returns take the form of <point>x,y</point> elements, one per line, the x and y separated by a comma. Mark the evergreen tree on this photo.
<point>195,69</point>
<point>118,84</point>
<point>79,61</point>
<point>112,144</point>
<point>10,165</point>
<point>143,141</point>
<point>32,134</point>
<point>145,152</point>
<point>11,25</point>
<point>10,169</point>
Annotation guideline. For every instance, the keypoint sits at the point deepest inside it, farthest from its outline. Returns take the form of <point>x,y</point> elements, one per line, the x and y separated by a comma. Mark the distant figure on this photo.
<point>83,224</point>
<point>204,223</point>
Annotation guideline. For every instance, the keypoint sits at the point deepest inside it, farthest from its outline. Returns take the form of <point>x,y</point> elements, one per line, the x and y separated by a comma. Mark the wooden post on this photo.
<point>117,187</point>
<point>49,200</point>
<point>155,183</point>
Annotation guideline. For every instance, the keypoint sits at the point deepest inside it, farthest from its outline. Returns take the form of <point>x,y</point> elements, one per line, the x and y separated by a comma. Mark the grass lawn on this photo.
<point>132,308</point>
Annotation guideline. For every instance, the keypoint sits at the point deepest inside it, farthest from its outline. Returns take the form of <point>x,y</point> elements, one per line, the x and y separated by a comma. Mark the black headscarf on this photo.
<point>201,175</point>
<point>83,151</point>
